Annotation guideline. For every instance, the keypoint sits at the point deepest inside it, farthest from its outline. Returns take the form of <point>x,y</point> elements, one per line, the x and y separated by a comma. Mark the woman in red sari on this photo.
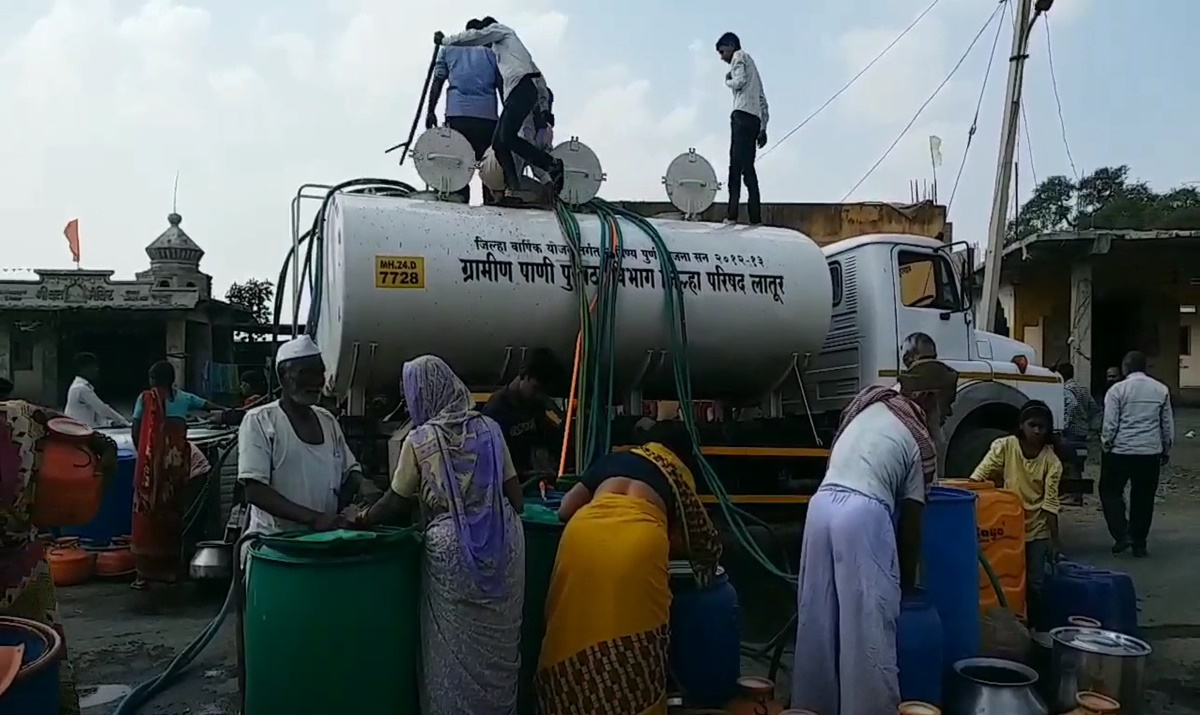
<point>162,469</point>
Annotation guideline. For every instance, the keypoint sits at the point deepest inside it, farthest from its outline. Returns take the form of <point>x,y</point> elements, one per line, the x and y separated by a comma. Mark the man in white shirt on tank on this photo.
<point>748,126</point>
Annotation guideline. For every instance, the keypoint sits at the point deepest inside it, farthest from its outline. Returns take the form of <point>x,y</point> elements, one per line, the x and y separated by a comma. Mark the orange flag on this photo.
<point>72,234</point>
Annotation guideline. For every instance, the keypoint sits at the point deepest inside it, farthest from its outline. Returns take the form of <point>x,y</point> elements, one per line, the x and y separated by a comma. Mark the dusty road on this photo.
<point>119,637</point>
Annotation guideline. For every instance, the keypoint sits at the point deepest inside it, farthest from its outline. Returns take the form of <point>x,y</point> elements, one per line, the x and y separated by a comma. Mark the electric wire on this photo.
<point>853,79</point>
<point>1028,146</point>
<point>987,73</point>
<point>991,18</point>
<point>1062,122</point>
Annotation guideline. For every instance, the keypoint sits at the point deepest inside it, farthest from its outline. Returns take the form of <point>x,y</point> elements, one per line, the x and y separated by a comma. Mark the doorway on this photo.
<point>1115,331</point>
<point>125,344</point>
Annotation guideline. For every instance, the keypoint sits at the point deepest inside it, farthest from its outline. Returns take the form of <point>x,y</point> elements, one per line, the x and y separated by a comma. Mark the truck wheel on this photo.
<point>967,450</point>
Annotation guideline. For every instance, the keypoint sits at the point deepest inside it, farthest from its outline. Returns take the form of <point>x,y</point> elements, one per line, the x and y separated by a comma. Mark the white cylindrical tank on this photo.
<point>479,286</point>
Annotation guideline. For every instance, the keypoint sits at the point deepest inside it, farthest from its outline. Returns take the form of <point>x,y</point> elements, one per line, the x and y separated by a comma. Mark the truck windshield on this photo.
<point>927,281</point>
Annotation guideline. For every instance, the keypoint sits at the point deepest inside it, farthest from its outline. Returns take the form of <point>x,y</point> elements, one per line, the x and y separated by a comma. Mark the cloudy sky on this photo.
<point>103,101</point>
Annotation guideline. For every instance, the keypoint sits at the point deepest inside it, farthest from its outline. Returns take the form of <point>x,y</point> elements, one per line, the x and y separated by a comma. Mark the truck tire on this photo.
<point>967,450</point>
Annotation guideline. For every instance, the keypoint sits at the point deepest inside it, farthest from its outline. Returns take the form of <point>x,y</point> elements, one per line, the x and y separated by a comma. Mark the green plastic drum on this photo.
<point>542,533</point>
<point>332,623</point>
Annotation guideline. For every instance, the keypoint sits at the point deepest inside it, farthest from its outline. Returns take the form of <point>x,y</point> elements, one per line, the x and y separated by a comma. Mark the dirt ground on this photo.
<point>119,637</point>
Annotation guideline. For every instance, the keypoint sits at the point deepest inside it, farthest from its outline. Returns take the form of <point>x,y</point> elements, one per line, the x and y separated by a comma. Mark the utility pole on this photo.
<point>1025,17</point>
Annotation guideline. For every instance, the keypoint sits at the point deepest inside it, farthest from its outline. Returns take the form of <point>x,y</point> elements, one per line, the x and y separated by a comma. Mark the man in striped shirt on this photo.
<point>748,126</point>
<point>1080,414</point>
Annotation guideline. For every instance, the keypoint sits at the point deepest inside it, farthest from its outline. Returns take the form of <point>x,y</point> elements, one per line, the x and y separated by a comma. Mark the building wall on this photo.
<point>1042,313</point>
<point>27,357</point>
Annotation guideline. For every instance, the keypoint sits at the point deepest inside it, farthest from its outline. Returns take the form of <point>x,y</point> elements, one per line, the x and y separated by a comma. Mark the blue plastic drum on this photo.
<point>115,517</point>
<point>950,569</point>
<point>919,649</point>
<point>706,637</point>
<point>35,691</point>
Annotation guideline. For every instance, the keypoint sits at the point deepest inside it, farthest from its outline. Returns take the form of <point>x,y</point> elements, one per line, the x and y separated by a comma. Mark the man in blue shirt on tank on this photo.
<point>471,100</point>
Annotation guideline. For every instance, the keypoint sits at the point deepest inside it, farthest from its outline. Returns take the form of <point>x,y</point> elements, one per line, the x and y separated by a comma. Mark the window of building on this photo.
<point>1185,340</point>
<point>835,280</point>
<point>927,281</point>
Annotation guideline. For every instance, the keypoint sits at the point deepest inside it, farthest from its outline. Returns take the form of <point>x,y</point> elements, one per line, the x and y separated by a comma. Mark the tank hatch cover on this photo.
<point>582,172</point>
<point>444,159</point>
<point>691,183</point>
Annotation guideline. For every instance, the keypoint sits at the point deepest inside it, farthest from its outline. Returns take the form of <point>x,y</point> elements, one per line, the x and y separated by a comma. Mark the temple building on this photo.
<point>167,312</point>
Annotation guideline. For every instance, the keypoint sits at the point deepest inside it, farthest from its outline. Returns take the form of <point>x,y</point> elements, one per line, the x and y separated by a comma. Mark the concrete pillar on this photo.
<point>6,349</point>
<point>1081,322</point>
<point>53,392</point>
<point>177,348</point>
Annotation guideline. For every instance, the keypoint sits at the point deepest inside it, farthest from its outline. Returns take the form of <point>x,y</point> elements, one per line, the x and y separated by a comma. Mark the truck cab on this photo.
<point>888,286</point>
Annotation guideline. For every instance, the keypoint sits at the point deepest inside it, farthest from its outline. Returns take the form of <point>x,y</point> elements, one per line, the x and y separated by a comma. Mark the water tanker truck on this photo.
<point>781,332</point>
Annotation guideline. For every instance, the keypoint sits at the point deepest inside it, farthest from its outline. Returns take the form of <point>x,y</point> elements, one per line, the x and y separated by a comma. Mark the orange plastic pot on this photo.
<point>1090,703</point>
<point>70,566</point>
<point>114,561</point>
<point>68,486</point>
<point>756,697</point>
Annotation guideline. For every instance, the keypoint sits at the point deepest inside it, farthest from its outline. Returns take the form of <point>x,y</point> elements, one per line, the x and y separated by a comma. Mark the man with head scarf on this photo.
<point>293,461</point>
<point>854,569</point>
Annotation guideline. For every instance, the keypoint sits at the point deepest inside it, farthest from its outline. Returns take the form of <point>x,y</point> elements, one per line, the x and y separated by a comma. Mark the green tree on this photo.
<point>1105,199</point>
<point>255,296</point>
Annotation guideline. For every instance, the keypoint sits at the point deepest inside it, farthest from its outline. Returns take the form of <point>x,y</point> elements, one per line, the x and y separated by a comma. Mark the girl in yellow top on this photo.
<point>1026,464</point>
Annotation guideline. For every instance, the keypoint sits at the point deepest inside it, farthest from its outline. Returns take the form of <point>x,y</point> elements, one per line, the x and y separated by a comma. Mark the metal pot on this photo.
<point>1041,650</point>
<point>1101,661</point>
<point>991,686</point>
<point>212,561</point>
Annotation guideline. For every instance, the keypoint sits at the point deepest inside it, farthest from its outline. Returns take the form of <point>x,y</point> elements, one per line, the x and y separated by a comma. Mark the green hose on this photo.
<point>596,385</point>
<point>993,580</point>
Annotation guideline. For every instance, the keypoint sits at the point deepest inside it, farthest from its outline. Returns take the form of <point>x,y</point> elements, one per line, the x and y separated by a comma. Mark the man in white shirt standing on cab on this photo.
<point>525,93</point>
<point>1138,432</point>
<point>83,404</point>
<point>748,126</point>
<point>293,461</point>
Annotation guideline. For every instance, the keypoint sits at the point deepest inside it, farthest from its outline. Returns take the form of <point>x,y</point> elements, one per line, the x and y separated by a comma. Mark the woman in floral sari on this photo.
<point>26,589</point>
<point>164,464</point>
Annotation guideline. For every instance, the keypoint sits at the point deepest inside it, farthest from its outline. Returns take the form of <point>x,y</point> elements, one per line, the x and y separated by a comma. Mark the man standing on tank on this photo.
<point>521,408</point>
<point>748,126</point>
<point>525,93</point>
<point>471,99</point>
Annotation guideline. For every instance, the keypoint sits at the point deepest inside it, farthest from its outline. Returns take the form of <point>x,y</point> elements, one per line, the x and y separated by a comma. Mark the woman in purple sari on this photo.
<point>454,467</point>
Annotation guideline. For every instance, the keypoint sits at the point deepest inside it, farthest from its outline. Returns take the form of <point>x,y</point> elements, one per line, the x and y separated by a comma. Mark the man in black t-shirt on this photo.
<point>520,409</point>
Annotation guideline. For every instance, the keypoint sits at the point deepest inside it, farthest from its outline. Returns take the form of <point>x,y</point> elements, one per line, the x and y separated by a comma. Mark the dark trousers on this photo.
<point>479,133</point>
<point>743,148</point>
<point>508,140</point>
<point>1140,471</point>
<point>1073,463</point>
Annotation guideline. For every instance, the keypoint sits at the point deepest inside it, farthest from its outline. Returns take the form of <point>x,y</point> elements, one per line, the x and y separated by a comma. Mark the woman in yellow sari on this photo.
<point>26,589</point>
<point>609,605</point>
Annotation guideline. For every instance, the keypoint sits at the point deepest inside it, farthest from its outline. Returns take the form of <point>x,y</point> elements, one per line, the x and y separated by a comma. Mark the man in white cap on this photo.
<point>293,461</point>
